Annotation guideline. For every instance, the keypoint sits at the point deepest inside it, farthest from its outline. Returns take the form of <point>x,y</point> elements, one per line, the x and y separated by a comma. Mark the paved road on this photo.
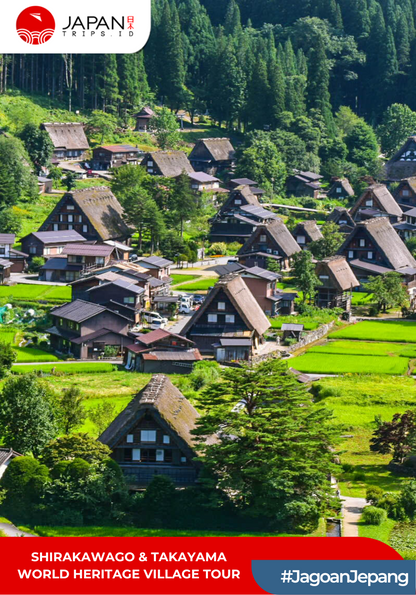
<point>12,531</point>
<point>352,509</point>
<point>25,279</point>
<point>179,324</point>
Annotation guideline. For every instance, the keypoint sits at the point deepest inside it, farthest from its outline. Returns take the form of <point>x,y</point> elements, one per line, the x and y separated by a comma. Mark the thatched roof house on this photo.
<point>341,188</point>
<point>403,163</point>
<point>376,201</point>
<point>307,232</point>
<point>68,139</point>
<point>169,164</point>
<point>337,281</point>
<point>213,155</point>
<point>95,213</point>
<point>152,435</point>
<point>341,217</point>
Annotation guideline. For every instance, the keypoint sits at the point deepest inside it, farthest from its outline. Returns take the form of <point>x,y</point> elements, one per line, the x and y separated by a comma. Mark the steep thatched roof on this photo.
<point>339,271</point>
<point>309,229</point>
<point>219,149</point>
<point>68,135</point>
<point>344,184</point>
<point>403,163</point>
<point>278,233</point>
<point>163,400</point>
<point>171,163</point>
<point>382,198</point>
<point>341,214</point>
<point>103,210</point>
<point>241,298</point>
<point>385,237</point>
<point>241,192</point>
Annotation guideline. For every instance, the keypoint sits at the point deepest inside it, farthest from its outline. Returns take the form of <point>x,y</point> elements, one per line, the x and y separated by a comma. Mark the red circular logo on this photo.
<point>35,25</point>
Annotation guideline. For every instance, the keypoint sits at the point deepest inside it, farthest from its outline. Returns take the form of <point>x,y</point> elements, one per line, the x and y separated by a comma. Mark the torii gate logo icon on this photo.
<point>35,25</point>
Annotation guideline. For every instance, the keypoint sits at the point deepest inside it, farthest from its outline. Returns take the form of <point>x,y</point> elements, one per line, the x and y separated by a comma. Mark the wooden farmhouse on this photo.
<point>273,241</point>
<point>374,248</point>
<point>88,331</point>
<point>307,232</point>
<point>169,164</point>
<point>304,183</point>
<point>120,295</point>
<point>337,283</point>
<point>341,217</point>
<point>68,139</point>
<point>143,118</point>
<point>95,213</point>
<point>403,164</point>
<point>157,266</point>
<point>16,258</point>
<point>161,352</point>
<point>239,217</point>
<point>405,194</point>
<point>340,189</point>
<point>263,285</point>
<point>213,156</point>
<point>376,201</point>
<point>152,436</point>
<point>49,243</point>
<point>110,156</point>
<point>202,182</point>
<point>230,322</point>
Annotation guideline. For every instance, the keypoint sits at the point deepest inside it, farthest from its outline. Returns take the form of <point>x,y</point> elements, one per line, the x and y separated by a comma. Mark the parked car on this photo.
<point>153,317</point>
<point>185,309</point>
<point>199,299</point>
<point>157,325</point>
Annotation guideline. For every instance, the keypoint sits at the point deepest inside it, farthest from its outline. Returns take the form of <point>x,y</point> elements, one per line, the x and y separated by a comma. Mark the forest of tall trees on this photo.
<point>248,63</point>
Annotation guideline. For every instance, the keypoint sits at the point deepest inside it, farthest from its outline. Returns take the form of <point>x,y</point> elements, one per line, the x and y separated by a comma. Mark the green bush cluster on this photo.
<point>373,515</point>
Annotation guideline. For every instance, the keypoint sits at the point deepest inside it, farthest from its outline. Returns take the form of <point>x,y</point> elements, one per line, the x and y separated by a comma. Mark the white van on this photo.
<point>153,317</point>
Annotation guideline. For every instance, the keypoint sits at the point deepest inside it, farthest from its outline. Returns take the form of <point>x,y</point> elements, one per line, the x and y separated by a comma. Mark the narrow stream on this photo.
<point>333,528</point>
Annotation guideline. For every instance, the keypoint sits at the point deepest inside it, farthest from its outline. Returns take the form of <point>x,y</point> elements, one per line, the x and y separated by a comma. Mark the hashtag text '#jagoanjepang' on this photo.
<point>353,576</point>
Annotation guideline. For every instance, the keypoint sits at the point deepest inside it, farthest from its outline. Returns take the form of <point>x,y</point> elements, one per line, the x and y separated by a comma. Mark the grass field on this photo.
<point>380,532</point>
<point>29,293</point>
<point>318,363</point>
<point>7,335</point>
<point>362,299</point>
<point>203,284</point>
<point>178,279</point>
<point>355,401</point>
<point>365,348</point>
<point>31,354</point>
<point>68,369</point>
<point>34,214</point>
<point>403,331</point>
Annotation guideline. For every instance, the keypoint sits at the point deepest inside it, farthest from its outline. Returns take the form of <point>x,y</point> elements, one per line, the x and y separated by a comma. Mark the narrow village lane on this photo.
<point>11,531</point>
<point>352,509</point>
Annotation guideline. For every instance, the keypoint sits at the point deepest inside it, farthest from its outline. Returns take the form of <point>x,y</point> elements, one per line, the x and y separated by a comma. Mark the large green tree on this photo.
<point>388,291</point>
<point>261,161</point>
<point>398,123</point>
<point>304,274</point>
<point>38,145</point>
<point>272,452</point>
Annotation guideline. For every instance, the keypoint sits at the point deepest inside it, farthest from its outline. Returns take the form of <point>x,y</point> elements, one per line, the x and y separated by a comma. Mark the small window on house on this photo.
<point>212,318</point>
<point>46,251</point>
<point>362,243</point>
<point>405,193</point>
<point>148,435</point>
<point>263,239</point>
<point>369,202</point>
<point>70,218</point>
<point>149,170</point>
<point>85,228</point>
<point>55,227</point>
<point>70,207</point>
<point>183,459</point>
<point>221,305</point>
<point>61,321</point>
<point>129,300</point>
<point>323,277</point>
<point>339,190</point>
<point>70,226</point>
<point>370,256</point>
<point>230,319</point>
<point>150,163</point>
<point>32,249</point>
<point>301,239</point>
<point>237,201</point>
<point>136,454</point>
<point>166,439</point>
<point>160,456</point>
<point>129,438</point>
<point>350,254</point>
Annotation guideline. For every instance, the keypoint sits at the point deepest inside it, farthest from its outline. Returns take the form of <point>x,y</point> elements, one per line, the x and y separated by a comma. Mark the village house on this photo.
<point>161,352</point>
<point>202,182</point>
<point>341,217</point>
<point>8,254</point>
<point>45,185</point>
<point>405,194</point>
<point>153,436</point>
<point>6,456</point>
<point>88,331</point>
<point>337,283</point>
<point>269,242</point>
<point>376,201</point>
<point>110,156</point>
<point>239,216</point>
<point>263,286</point>
<point>143,118</point>
<point>403,164</point>
<point>157,266</point>
<point>230,322</point>
<point>306,232</point>
<point>95,213</point>
<point>340,189</point>
<point>5,271</point>
<point>119,295</point>
<point>304,183</point>
<point>68,139</point>
<point>169,164</point>
<point>407,229</point>
<point>292,331</point>
<point>213,156</point>
<point>49,243</point>
<point>374,248</point>
<point>258,192</point>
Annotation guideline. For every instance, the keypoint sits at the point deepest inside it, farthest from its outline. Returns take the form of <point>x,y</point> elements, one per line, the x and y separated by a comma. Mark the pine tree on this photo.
<point>110,80</point>
<point>277,91</point>
<point>232,23</point>
<point>318,96</point>
<point>258,97</point>
<point>171,56</point>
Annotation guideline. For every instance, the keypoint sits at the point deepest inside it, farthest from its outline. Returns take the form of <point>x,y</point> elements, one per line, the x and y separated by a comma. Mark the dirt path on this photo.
<point>12,531</point>
<point>352,509</point>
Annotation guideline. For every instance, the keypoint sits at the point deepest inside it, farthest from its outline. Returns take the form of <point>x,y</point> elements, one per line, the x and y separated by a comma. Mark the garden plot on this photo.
<point>366,348</point>
<point>327,363</point>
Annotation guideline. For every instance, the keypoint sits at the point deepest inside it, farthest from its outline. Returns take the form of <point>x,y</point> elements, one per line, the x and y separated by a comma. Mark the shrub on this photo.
<point>408,499</point>
<point>36,264</point>
<point>218,248</point>
<point>204,373</point>
<point>373,515</point>
<point>373,495</point>
<point>392,504</point>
